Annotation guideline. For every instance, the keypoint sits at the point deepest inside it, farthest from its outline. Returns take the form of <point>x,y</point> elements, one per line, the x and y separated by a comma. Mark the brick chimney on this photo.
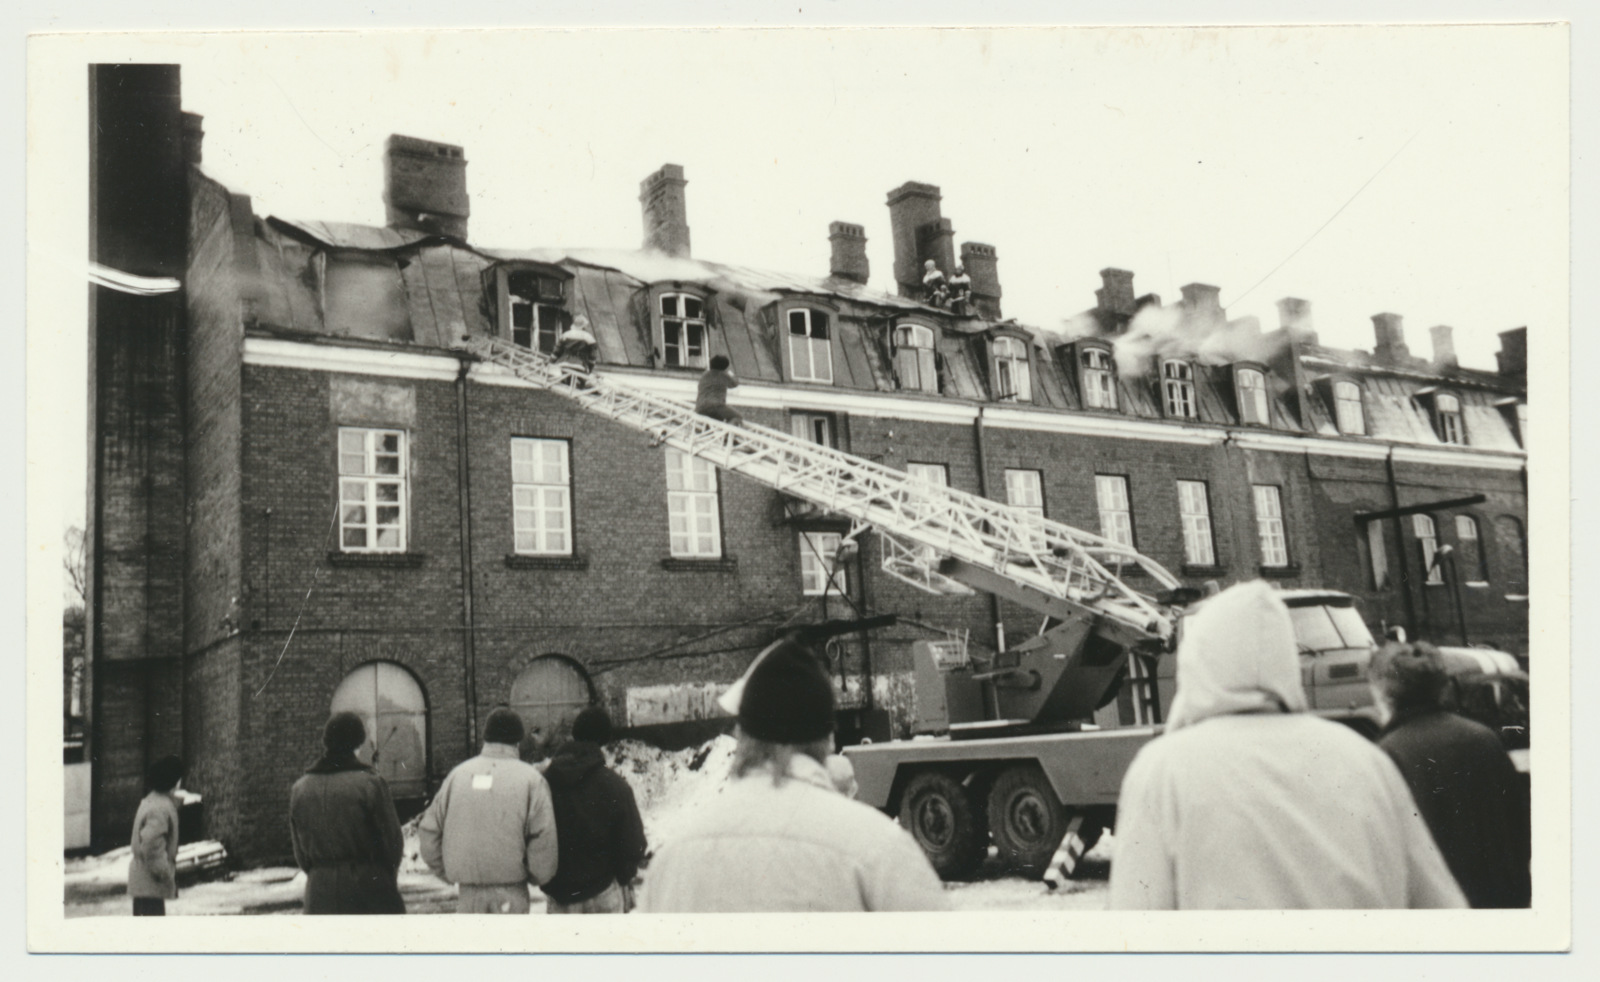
<point>1389,344</point>
<point>666,213</point>
<point>1294,316</point>
<point>1513,353</point>
<point>194,134</point>
<point>425,186</point>
<point>983,268</point>
<point>1444,348</point>
<point>920,233</point>
<point>1201,303</point>
<point>1116,294</point>
<point>849,259</point>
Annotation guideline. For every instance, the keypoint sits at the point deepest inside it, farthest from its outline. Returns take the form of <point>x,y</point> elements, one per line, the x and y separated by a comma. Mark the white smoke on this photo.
<point>1177,332</point>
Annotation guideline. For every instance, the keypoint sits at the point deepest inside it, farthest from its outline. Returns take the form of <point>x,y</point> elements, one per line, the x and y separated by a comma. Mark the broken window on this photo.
<point>541,497</point>
<point>1099,381</point>
<point>1269,526</point>
<point>913,358</point>
<point>372,490</point>
<point>1194,510</point>
<point>1177,385</point>
<point>821,573</point>
<point>1252,387</point>
<point>534,305</point>
<point>810,357</point>
<point>1347,408</point>
<point>683,331</point>
<point>693,517</point>
<point>1116,517</point>
<point>1011,379</point>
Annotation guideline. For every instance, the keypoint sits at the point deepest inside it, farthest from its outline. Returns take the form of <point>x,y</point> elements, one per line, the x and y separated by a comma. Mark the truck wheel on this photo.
<point>947,824</point>
<point>1026,819</point>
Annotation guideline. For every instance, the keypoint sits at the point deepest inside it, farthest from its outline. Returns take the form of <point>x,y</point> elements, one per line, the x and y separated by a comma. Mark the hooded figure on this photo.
<point>1249,802</point>
<point>344,829</point>
<point>598,829</point>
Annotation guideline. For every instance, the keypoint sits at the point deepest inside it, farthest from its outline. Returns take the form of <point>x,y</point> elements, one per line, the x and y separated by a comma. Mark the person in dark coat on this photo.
<point>1460,775</point>
<point>345,832</point>
<point>598,830</point>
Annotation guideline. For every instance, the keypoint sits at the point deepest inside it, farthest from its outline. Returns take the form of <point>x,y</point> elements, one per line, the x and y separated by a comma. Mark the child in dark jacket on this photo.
<point>599,834</point>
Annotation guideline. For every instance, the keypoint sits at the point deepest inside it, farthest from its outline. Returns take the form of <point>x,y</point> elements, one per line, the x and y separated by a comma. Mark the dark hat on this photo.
<point>787,697</point>
<point>165,773</point>
<point>592,725</point>
<point>503,726</point>
<point>344,731</point>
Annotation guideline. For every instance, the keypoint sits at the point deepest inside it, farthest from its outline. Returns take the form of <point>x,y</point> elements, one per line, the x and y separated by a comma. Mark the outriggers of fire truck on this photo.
<point>1021,755</point>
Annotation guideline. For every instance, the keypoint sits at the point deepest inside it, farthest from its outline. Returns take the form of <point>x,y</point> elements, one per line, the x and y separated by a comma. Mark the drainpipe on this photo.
<point>994,601</point>
<point>1400,547</point>
<point>464,496</point>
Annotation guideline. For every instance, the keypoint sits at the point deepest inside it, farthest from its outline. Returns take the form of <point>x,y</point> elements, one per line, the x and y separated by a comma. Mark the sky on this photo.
<point>1420,170</point>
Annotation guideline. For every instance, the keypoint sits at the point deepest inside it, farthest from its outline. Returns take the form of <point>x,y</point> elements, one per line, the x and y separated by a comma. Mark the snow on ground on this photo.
<point>670,787</point>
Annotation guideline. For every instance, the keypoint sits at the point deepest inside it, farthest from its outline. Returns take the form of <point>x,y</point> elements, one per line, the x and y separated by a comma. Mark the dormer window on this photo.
<point>532,306</point>
<point>913,358</point>
<point>1177,389</point>
<point>1011,378</point>
<point>1447,419</point>
<point>1347,409</point>
<point>683,330</point>
<point>810,357</point>
<point>1099,379</point>
<point>1251,386</point>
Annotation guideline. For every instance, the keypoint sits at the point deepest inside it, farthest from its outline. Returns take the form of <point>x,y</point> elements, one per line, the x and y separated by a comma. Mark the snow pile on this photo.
<point>671,785</point>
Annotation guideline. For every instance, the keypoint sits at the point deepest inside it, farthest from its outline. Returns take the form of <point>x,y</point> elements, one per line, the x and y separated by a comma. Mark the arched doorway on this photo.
<point>391,704</point>
<point>548,694</point>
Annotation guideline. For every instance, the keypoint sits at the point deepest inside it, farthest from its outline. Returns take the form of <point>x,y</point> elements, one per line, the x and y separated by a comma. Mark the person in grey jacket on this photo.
<point>491,829</point>
<point>153,868</point>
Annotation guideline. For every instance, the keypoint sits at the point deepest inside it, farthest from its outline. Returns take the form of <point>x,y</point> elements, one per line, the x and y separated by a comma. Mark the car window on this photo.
<point>1351,627</point>
<point>1313,629</point>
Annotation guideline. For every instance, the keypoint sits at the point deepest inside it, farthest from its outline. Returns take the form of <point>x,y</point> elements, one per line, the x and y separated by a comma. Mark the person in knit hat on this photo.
<point>491,829</point>
<point>1248,801</point>
<point>780,837</point>
<point>344,829</point>
<point>598,827</point>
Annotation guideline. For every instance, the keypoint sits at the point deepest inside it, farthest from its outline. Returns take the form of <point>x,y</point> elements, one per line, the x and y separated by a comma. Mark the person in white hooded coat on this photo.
<point>1247,801</point>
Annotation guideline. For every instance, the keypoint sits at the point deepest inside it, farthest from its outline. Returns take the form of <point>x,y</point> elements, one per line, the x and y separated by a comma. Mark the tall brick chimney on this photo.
<point>920,233</point>
<point>1294,316</point>
<point>425,186</point>
<point>1389,340</point>
<point>666,211</point>
<point>1444,347</point>
<point>1116,292</point>
<point>1513,353</point>
<point>194,134</point>
<point>849,259</point>
<point>1201,303</point>
<point>983,268</point>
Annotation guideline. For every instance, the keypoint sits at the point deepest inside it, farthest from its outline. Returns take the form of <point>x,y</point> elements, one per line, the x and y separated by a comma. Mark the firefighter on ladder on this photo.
<point>577,349</point>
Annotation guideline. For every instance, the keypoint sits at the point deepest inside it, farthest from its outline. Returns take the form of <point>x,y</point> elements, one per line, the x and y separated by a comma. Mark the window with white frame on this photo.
<point>1252,386</point>
<point>693,518</point>
<point>683,330</point>
<point>534,307</point>
<point>1269,525</point>
<point>1099,380</point>
<point>1428,543</point>
<point>810,357</point>
<point>1177,386</point>
<point>372,490</point>
<point>933,475</point>
<point>1025,492</point>
<point>816,427</point>
<point>820,571</point>
<point>1469,547</point>
<point>541,497</point>
<point>1347,408</point>
<point>913,358</point>
<point>1116,517</point>
<point>1447,419</point>
<point>1377,555</point>
<point>1194,510</point>
<point>1011,378</point>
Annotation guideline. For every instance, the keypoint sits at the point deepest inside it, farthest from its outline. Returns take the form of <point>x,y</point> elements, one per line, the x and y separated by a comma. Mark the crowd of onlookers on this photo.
<point>1246,800</point>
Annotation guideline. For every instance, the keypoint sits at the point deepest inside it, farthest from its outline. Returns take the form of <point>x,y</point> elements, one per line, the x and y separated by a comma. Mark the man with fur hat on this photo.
<point>1247,801</point>
<point>598,827</point>
<point>343,826</point>
<point>490,829</point>
<point>780,837</point>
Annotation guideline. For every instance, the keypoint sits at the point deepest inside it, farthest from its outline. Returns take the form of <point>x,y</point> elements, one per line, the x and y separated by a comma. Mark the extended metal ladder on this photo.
<point>923,527</point>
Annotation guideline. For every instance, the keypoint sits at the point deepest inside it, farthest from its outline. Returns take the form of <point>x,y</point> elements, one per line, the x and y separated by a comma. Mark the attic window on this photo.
<point>1447,419</point>
<point>683,330</point>
<point>1347,408</point>
<point>1251,385</point>
<point>913,358</point>
<point>1099,381</point>
<point>810,357</point>
<point>532,308</point>
<point>1012,383</point>
<point>1177,389</point>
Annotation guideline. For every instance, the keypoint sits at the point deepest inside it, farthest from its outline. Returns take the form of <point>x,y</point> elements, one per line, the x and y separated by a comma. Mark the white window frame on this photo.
<point>1012,380</point>
<point>1452,428</point>
<point>546,319</point>
<point>1025,492</point>
<point>1177,386</point>
<point>820,573</point>
<point>689,354</point>
<point>1349,414</point>
<point>1269,525</point>
<point>541,496</point>
<point>818,428</point>
<point>810,350</point>
<point>1468,529</point>
<point>914,363</point>
<point>694,509</point>
<point>1113,498</point>
<point>1252,388</point>
<point>1194,510</point>
<point>1427,533</point>
<point>1099,379</point>
<point>1378,555</point>
<point>370,491</point>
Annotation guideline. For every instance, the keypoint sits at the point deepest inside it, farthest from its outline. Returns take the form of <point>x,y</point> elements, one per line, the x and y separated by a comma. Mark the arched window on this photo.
<point>683,330</point>
<point>810,358</point>
<point>1428,543</point>
<point>1513,546</point>
<point>391,704</point>
<point>1177,386</point>
<point>1012,381</point>
<point>1252,386</point>
<point>1347,408</point>
<point>548,695</point>
<point>1099,380</point>
<point>1470,558</point>
<point>913,358</point>
<point>1447,419</point>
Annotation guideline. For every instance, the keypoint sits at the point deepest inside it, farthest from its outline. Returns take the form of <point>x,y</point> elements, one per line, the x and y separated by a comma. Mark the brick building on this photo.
<point>305,497</point>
